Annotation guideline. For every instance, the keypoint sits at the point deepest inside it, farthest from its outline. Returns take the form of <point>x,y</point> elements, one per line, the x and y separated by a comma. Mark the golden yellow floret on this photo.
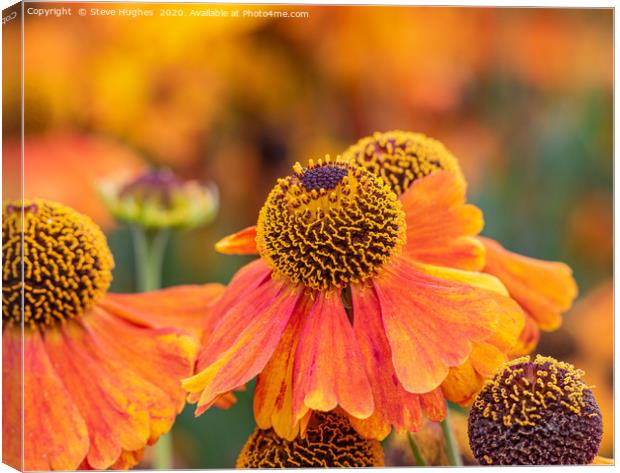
<point>401,157</point>
<point>67,265</point>
<point>330,441</point>
<point>330,224</point>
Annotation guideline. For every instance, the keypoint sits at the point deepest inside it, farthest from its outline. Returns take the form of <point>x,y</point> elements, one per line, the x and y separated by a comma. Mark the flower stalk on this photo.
<point>452,447</point>
<point>415,450</point>
<point>149,250</point>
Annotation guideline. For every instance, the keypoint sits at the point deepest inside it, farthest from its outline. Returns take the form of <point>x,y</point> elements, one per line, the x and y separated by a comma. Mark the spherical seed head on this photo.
<point>401,157</point>
<point>330,441</point>
<point>330,224</point>
<point>535,413</point>
<point>67,265</point>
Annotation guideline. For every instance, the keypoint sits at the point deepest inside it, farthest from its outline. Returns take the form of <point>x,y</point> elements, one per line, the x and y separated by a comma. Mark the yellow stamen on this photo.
<point>67,265</point>
<point>329,224</point>
<point>401,157</point>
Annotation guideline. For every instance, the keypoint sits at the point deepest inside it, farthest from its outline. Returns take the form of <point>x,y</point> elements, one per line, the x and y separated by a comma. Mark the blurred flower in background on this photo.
<point>65,167</point>
<point>159,199</point>
<point>522,97</point>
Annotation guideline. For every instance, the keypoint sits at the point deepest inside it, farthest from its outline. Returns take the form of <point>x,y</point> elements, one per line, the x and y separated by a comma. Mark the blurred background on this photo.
<point>523,97</point>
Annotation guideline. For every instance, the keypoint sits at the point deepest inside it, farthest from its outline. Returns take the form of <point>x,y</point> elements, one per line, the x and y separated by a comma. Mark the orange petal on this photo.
<point>431,324</point>
<point>12,406</point>
<point>328,367</point>
<point>124,462</point>
<point>244,282</point>
<point>128,459</point>
<point>116,405</point>
<point>434,405</point>
<point>465,381</point>
<point>273,396</point>
<point>470,278</point>
<point>486,359</point>
<point>544,289</point>
<point>225,401</point>
<point>56,436</point>
<point>393,405</point>
<point>188,307</point>
<point>243,342</point>
<point>528,338</point>
<point>162,357</point>
<point>440,225</point>
<point>240,243</point>
<point>462,384</point>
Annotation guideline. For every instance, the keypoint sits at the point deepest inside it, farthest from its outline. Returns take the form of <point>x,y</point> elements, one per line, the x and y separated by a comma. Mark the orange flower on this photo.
<point>346,305</point>
<point>543,289</point>
<point>101,372</point>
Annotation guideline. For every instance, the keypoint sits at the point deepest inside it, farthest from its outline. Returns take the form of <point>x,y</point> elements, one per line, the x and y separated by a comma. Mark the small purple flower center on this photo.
<point>325,177</point>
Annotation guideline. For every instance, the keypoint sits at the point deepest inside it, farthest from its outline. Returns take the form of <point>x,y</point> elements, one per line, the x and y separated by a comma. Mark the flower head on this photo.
<point>350,304</point>
<point>543,289</point>
<point>67,267</point>
<point>159,199</point>
<point>330,441</point>
<point>401,157</point>
<point>100,371</point>
<point>535,412</point>
<point>329,225</point>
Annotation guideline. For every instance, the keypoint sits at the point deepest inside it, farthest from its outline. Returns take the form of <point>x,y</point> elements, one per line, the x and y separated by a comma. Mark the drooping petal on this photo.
<point>434,405</point>
<point>528,338</point>
<point>122,410</point>
<point>160,356</point>
<point>393,405</point>
<point>432,323</point>
<point>440,225</point>
<point>225,401</point>
<point>241,243</point>
<point>55,434</point>
<point>243,342</point>
<point>245,281</point>
<point>328,368</point>
<point>463,382</point>
<point>475,279</point>
<point>127,460</point>
<point>544,289</point>
<point>12,405</point>
<point>273,396</point>
<point>486,359</point>
<point>188,307</point>
<point>509,327</point>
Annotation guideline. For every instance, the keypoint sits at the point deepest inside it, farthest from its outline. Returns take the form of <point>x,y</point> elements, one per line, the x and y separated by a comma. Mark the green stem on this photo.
<point>452,447</point>
<point>149,247</point>
<point>417,455</point>
<point>162,453</point>
<point>149,250</point>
